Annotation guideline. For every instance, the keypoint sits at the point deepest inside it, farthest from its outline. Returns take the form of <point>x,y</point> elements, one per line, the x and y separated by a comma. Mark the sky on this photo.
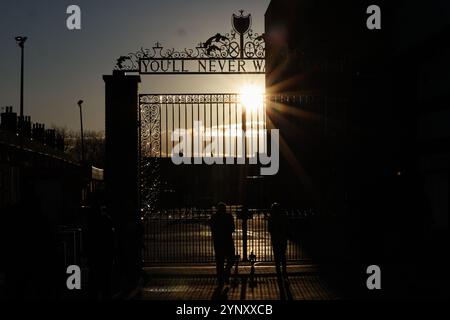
<point>63,66</point>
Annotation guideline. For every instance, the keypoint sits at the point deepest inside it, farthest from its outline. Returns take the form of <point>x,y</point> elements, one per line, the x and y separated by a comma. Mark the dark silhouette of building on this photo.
<point>36,154</point>
<point>361,114</point>
<point>41,193</point>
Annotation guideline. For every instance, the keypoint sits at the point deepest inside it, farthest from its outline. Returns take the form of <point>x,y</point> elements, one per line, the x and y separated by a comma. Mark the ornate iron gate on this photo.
<point>206,118</point>
<point>182,235</point>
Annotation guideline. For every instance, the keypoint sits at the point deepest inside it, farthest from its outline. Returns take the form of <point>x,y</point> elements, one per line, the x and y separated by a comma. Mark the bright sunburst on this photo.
<point>251,97</point>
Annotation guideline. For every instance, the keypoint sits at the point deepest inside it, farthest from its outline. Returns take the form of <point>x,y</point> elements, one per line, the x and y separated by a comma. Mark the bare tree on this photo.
<point>94,145</point>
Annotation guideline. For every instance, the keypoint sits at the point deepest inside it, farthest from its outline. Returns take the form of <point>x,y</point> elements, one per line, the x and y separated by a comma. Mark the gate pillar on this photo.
<point>121,172</point>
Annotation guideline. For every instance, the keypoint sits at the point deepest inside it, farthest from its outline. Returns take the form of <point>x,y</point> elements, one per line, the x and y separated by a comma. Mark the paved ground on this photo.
<point>199,283</point>
<point>176,238</point>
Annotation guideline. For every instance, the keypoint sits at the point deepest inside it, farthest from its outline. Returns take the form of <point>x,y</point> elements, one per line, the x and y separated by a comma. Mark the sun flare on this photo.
<point>251,97</point>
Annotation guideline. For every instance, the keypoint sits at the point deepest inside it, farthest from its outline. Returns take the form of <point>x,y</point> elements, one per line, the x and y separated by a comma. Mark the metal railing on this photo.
<point>184,235</point>
<point>70,244</point>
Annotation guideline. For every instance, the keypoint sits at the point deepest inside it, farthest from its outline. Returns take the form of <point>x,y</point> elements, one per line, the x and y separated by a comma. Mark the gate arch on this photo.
<point>176,226</point>
<point>240,51</point>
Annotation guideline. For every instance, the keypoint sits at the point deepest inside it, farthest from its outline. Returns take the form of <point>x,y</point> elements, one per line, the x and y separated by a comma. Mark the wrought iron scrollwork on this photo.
<point>232,45</point>
<point>254,46</point>
<point>149,99</point>
<point>150,129</point>
<point>150,177</point>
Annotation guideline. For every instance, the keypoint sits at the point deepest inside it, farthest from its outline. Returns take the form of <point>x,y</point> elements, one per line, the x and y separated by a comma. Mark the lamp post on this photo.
<point>80,102</point>
<point>21,42</point>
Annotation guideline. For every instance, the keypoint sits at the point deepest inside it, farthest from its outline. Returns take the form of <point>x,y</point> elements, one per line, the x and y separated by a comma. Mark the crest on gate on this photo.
<point>241,24</point>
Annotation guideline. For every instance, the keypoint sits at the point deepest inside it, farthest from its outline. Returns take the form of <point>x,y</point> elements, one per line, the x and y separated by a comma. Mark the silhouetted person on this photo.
<point>222,228</point>
<point>278,226</point>
<point>100,249</point>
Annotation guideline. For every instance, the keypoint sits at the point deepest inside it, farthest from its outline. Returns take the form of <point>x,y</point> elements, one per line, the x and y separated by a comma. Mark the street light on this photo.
<point>80,102</point>
<point>21,42</point>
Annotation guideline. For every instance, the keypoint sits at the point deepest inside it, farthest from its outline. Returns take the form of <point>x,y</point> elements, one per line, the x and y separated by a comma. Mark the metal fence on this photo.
<point>70,245</point>
<point>212,124</point>
<point>184,235</point>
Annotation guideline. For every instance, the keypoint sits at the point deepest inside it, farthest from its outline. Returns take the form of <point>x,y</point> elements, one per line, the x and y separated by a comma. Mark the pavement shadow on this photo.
<point>220,293</point>
<point>284,288</point>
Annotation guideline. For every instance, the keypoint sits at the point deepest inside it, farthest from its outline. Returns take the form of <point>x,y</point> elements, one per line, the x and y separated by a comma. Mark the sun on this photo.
<point>252,97</point>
